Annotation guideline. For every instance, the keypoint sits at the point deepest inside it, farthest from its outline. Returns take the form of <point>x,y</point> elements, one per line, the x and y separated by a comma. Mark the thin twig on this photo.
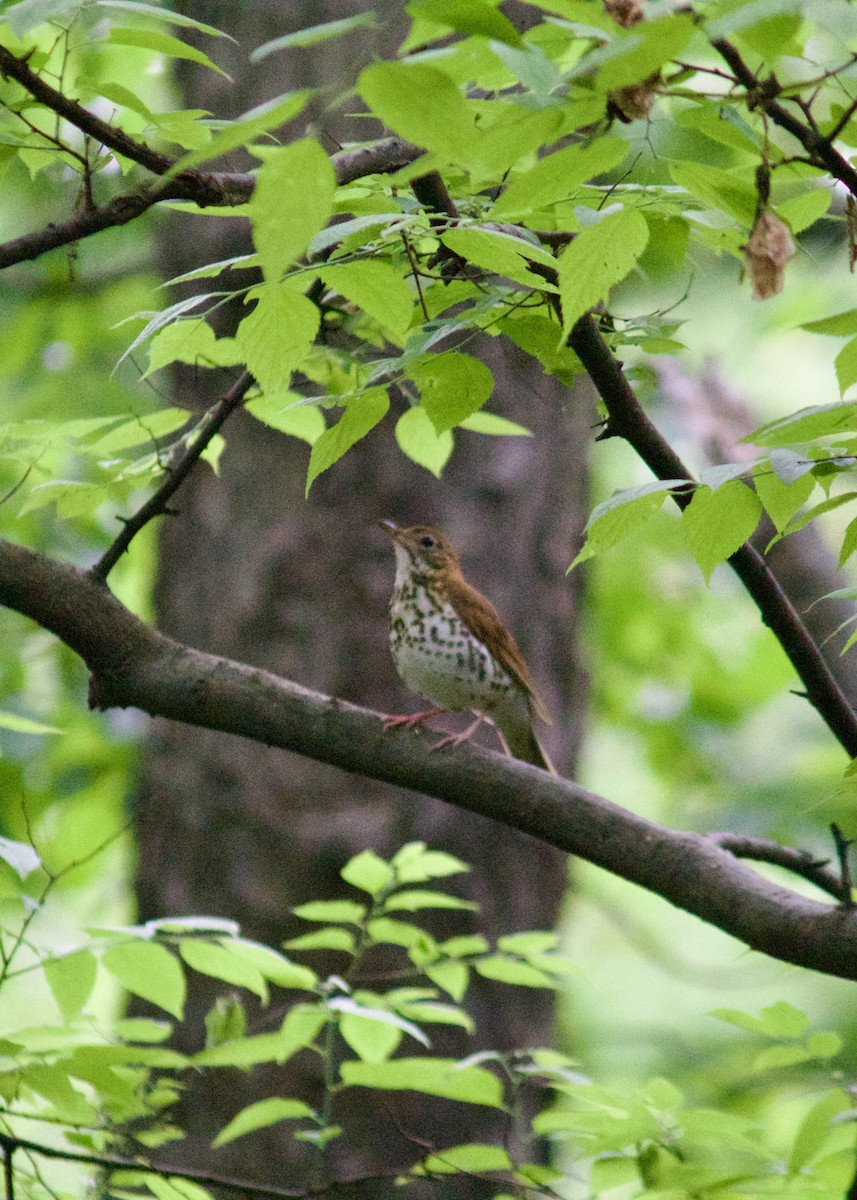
<point>842,844</point>
<point>799,862</point>
<point>175,475</point>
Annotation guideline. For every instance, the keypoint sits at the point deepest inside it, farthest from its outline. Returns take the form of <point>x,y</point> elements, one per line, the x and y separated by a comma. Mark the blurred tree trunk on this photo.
<point>250,570</point>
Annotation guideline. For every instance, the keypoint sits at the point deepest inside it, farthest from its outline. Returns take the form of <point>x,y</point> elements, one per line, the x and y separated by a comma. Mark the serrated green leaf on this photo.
<point>148,970</point>
<point>291,202</point>
<point>430,1076</point>
<point>277,336</point>
<point>475,18</point>
<point>261,1115</point>
<point>289,413</point>
<point>782,500</point>
<point>418,439</point>
<point>414,863</point>
<point>377,288</point>
<point>715,524</point>
<point>556,176</point>
<point>833,502</point>
<point>601,256</point>
<point>715,188</point>
<point>623,514</point>
<point>312,35</point>
<point>636,53</point>
<point>499,252</point>
<point>822,420</point>
<point>361,415</point>
<point>414,899</point>
<point>452,387</point>
<point>71,979</point>
<point>799,212</point>
<point>191,340</point>
<point>423,105</point>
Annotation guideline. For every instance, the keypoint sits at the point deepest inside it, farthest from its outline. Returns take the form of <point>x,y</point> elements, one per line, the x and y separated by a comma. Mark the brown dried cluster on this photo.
<point>769,250</point>
<point>634,102</point>
<point>624,12</point>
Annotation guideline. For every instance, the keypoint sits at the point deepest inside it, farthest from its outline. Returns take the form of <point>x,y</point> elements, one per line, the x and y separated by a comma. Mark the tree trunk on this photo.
<point>251,570</point>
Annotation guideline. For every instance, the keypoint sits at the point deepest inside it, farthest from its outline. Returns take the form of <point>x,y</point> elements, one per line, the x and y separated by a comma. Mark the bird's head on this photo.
<point>421,549</point>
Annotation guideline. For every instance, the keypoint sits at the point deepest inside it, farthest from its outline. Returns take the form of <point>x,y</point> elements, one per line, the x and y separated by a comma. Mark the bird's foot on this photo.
<point>411,720</point>
<point>455,739</point>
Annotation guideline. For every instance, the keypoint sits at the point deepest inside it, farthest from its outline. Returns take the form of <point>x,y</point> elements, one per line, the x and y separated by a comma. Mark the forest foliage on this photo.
<point>526,185</point>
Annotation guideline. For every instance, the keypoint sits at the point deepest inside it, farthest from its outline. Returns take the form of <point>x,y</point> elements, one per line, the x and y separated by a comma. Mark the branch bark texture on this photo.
<point>133,665</point>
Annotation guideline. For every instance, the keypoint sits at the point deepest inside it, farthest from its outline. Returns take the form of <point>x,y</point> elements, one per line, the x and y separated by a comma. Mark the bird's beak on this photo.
<point>391,529</point>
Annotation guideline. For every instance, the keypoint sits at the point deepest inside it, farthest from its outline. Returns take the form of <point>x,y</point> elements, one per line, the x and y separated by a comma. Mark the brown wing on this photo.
<point>482,618</point>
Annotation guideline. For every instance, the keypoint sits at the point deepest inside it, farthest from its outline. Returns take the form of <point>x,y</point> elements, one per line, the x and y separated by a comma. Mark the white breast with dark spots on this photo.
<point>438,657</point>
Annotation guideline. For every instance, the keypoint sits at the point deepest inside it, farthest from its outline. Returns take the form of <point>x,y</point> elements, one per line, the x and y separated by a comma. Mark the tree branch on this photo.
<point>819,148</point>
<point>133,665</point>
<point>175,474</point>
<point>626,419</point>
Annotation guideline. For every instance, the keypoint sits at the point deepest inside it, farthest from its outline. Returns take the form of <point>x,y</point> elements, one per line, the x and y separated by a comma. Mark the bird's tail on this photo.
<point>521,742</point>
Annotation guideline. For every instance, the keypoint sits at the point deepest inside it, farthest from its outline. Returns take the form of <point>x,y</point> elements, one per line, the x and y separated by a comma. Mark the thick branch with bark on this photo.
<point>133,665</point>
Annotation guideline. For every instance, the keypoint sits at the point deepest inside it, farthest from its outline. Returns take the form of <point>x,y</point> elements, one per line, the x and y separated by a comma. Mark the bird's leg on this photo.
<point>455,739</point>
<point>411,720</point>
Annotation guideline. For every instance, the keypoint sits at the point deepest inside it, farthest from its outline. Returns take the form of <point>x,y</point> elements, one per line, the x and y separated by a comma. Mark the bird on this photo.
<point>450,645</point>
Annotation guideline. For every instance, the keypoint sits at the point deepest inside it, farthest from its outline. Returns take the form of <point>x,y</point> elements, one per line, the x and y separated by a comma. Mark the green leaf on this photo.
<point>292,201</point>
<point>361,415</point>
<point>161,43</point>
<point>260,1115</point>
<point>623,514</point>
<point>499,252</point>
<point>821,420</point>
<point>394,933</point>
<point>825,1044</point>
<point>816,1128</point>
<point>419,440</point>
<point>636,53</point>
<point>452,387</point>
<point>20,856</point>
<point>414,899</point>
<point>494,426</point>
<point>148,970</point>
<point>556,176</point>
<point>715,188</point>
<point>800,212</point>
<point>846,366</point>
<point>369,872</point>
<point>313,34</point>
<point>833,502</point>
<point>416,864</point>
<point>142,1029</point>
<point>277,336</point>
<point>469,1159</point>
<point>775,1057</point>
<point>218,961</point>
<point>430,1076</point>
<point>20,724</point>
<point>782,500</point>
<point>244,130</point>
<point>599,258</point>
<point>452,977</point>
<point>849,543</point>
<point>348,911</point>
<point>330,938</point>
<point>842,324</point>
<point>276,967</point>
<point>162,14</point>
<point>512,971</point>
<point>475,17</point>
<point>423,105</point>
<point>716,523</point>
<point>375,287</point>
<point>367,1029</point>
<point>191,340</point>
<point>71,979</point>
<point>289,413</point>
<point>780,1020</point>
<point>24,16</point>
<point>299,1030</point>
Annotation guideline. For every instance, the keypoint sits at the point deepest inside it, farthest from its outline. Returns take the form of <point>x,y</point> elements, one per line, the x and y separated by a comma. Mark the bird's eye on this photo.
<point>428,542</point>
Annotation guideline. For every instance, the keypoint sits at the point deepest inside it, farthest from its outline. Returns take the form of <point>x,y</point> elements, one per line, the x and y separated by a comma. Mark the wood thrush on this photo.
<point>450,645</point>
